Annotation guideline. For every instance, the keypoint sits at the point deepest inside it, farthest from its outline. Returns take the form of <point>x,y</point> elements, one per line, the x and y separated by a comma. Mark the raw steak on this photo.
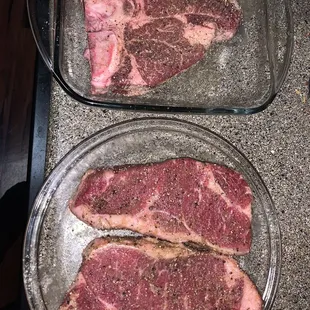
<point>179,200</point>
<point>137,44</point>
<point>147,274</point>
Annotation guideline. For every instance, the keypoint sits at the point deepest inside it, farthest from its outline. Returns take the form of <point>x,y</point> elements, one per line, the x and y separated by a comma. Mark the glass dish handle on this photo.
<point>40,23</point>
<point>284,39</point>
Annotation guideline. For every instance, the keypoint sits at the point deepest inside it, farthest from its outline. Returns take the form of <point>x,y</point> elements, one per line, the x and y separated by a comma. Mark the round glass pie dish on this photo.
<point>55,238</point>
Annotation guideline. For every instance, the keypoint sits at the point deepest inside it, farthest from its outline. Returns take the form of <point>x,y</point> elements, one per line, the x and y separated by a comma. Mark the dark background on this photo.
<point>17,71</point>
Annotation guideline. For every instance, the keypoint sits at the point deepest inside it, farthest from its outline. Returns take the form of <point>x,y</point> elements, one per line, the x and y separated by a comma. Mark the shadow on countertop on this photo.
<point>13,221</point>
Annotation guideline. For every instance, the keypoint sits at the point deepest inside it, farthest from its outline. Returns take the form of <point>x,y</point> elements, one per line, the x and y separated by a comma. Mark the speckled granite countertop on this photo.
<point>276,141</point>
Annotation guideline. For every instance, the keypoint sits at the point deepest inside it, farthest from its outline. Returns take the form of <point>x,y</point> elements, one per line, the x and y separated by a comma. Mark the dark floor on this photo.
<point>17,63</point>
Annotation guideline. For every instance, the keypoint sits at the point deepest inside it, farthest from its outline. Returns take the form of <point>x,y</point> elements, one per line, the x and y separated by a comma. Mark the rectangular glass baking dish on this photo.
<point>239,76</point>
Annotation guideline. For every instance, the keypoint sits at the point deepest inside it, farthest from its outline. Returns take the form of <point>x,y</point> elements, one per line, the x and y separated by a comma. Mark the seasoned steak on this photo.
<point>179,200</point>
<point>148,274</point>
<point>137,44</point>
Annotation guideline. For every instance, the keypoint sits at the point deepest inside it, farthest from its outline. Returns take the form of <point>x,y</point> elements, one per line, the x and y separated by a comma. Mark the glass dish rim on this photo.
<point>53,66</point>
<point>30,251</point>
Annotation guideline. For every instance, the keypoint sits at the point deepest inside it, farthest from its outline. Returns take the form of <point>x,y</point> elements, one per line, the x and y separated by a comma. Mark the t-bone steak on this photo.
<point>147,274</point>
<point>179,200</point>
<point>137,44</point>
